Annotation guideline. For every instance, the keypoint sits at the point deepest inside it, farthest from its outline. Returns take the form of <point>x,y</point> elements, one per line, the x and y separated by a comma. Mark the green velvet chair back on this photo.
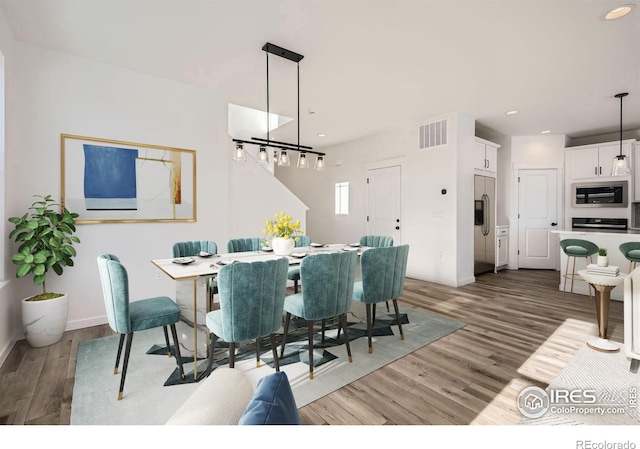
<point>191,248</point>
<point>328,284</point>
<point>578,247</point>
<point>303,240</point>
<point>115,287</point>
<point>251,298</point>
<point>243,245</point>
<point>383,273</point>
<point>376,241</point>
<point>631,251</point>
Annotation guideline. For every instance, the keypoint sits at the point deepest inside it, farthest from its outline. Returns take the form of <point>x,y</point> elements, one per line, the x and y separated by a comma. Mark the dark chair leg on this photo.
<point>120,344</point>
<point>373,317</point>
<point>232,355</point>
<point>176,343</point>
<point>368,307</point>
<point>287,319</point>
<point>635,364</point>
<point>274,351</point>
<point>395,306</point>
<point>212,348</point>
<point>387,303</point>
<point>125,364</point>
<point>258,352</point>
<point>343,323</point>
<point>295,286</point>
<point>324,323</point>
<point>166,339</point>
<point>310,334</point>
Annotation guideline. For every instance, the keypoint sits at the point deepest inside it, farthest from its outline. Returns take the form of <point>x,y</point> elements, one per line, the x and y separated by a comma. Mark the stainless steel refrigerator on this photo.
<point>484,224</point>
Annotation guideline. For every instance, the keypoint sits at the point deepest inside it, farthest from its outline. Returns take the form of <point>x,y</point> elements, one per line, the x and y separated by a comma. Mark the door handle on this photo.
<point>397,228</point>
<point>554,224</point>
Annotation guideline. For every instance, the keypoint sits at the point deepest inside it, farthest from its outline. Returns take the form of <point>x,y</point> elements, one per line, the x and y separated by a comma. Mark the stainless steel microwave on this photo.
<point>601,194</point>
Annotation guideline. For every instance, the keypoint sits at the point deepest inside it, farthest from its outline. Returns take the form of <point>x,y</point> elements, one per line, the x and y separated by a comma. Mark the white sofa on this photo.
<point>632,318</point>
<point>221,399</point>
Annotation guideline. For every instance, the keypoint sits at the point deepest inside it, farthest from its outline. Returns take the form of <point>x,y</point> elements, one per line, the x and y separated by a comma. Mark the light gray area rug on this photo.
<point>147,401</point>
<point>614,386</point>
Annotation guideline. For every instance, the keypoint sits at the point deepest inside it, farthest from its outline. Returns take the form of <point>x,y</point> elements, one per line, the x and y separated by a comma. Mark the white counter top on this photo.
<point>597,231</point>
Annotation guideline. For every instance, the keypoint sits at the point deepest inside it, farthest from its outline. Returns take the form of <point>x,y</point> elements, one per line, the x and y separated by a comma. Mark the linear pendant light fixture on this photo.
<point>284,158</point>
<point>621,162</point>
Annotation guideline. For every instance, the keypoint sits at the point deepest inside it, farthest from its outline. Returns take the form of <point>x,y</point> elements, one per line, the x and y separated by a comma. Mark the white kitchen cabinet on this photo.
<point>595,161</point>
<point>486,157</point>
<point>502,247</point>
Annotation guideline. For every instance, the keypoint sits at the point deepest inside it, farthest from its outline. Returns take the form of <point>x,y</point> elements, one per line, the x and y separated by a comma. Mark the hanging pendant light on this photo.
<point>302,161</point>
<point>621,162</point>
<point>283,160</point>
<point>239,155</point>
<point>263,157</point>
<point>319,165</point>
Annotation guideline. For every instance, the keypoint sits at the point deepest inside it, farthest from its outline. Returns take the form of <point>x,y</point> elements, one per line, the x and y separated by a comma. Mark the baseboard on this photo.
<point>440,280</point>
<point>6,350</point>
<point>86,322</point>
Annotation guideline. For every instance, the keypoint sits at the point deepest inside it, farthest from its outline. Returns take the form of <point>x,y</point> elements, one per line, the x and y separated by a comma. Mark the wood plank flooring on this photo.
<point>519,331</point>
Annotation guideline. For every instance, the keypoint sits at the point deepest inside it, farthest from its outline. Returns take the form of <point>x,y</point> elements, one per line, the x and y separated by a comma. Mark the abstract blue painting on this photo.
<point>110,178</point>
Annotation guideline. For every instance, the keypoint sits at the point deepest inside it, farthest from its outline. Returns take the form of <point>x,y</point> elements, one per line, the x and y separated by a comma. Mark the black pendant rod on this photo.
<point>282,145</point>
<point>268,116</point>
<point>621,96</point>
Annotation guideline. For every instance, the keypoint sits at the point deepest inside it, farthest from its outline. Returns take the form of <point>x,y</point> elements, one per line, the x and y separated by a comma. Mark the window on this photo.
<point>342,198</point>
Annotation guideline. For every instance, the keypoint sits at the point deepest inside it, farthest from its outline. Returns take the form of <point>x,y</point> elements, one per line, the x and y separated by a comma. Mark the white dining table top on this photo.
<point>210,265</point>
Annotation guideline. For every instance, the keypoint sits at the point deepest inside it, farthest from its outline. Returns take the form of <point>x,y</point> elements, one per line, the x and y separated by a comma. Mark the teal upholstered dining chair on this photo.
<point>251,306</point>
<point>328,288</point>
<point>383,275</point>
<point>631,252</point>
<point>193,247</point>
<point>244,245</point>
<point>376,241</point>
<point>294,270</point>
<point>126,317</point>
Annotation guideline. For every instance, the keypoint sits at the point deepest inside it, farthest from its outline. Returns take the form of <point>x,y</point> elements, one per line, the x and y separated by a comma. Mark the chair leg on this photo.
<point>566,276</point>
<point>166,339</point>
<point>232,355</point>
<point>324,323</point>
<point>573,274</point>
<point>274,351</point>
<point>176,343</point>
<point>395,306</point>
<point>387,303</point>
<point>295,286</point>
<point>287,319</point>
<point>368,308</point>
<point>310,334</point>
<point>373,317</point>
<point>212,348</point>
<point>635,363</point>
<point>125,364</point>
<point>120,344</point>
<point>343,323</point>
<point>258,352</point>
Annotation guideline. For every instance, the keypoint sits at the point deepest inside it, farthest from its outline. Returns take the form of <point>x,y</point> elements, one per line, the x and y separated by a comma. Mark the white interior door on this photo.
<point>384,211</point>
<point>538,216</point>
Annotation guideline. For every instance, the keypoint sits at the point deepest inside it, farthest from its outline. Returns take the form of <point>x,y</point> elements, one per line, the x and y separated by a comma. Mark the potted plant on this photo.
<point>603,260</point>
<point>282,233</point>
<point>45,238</point>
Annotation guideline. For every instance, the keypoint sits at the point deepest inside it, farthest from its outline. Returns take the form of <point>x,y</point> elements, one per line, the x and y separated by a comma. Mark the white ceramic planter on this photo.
<point>603,261</point>
<point>44,321</point>
<point>282,246</point>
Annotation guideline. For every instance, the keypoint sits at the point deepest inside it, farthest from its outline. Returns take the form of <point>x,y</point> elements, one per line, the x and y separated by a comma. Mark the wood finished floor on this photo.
<point>519,331</point>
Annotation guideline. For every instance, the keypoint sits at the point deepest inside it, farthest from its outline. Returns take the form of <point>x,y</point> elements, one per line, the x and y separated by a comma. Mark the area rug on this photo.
<point>605,391</point>
<point>148,401</point>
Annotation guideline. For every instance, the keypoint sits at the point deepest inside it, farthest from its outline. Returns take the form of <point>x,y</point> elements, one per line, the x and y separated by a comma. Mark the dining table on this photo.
<point>203,268</point>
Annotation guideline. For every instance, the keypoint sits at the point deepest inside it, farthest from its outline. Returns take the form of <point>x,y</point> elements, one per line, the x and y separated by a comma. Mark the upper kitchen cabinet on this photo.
<point>486,157</point>
<point>595,161</point>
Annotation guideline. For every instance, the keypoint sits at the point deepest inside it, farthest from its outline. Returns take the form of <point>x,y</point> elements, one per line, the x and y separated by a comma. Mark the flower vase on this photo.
<point>282,246</point>
<point>603,261</point>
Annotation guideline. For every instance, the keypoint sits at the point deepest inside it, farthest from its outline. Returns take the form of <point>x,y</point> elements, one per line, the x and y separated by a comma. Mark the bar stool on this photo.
<point>576,248</point>
<point>631,251</point>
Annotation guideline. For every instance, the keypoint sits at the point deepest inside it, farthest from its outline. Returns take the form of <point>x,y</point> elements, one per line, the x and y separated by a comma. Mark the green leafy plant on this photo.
<point>602,252</point>
<point>46,242</point>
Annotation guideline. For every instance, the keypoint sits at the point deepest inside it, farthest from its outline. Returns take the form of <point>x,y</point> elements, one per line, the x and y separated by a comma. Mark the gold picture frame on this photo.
<point>113,181</point>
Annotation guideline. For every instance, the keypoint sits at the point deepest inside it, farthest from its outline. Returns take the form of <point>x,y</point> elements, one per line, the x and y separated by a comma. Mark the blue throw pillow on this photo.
<point>272,402</point>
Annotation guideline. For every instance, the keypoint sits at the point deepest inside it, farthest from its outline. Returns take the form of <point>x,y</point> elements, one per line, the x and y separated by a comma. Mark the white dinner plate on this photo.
<point>298,255</point>
<point>226,262</point>
<point>316,245</point>
<point>184,260</point>
<point>204,254</point>
<point>354,245</point>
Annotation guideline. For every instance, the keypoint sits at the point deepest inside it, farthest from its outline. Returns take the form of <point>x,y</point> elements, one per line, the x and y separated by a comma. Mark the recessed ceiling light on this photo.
<point>547,131</point>
<point>618,12</point>
<point>321,135</point>
<point>511,112</point>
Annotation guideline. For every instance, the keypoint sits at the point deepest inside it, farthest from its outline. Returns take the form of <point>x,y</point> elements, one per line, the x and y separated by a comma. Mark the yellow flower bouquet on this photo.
<point>283,226</point>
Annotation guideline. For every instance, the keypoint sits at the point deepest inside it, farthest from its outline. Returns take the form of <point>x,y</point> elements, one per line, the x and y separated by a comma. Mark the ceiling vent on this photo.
<point>433,134</point>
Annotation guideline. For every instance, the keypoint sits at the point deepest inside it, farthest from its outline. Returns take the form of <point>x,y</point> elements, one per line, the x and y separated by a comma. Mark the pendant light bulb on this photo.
<point>319,165</point>
<point>239,155</point>
<point>283,161</point>
<point>263,156</point>
<point>302,161</point>
<point>621,162</point>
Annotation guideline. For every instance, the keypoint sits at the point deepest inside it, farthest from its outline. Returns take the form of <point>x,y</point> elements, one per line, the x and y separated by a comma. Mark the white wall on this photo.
<point>534,152</point>
<point>438,227</point>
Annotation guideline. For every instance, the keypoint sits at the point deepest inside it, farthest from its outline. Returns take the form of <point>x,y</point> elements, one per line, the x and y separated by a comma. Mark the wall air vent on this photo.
<point>433,134</point>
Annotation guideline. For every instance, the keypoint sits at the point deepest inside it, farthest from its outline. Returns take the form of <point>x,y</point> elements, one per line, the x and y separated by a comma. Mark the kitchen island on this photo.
<point>611,240</point>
